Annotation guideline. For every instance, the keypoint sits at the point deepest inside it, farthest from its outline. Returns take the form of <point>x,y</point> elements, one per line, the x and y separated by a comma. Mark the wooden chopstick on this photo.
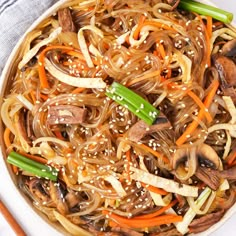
<point>11,220</point>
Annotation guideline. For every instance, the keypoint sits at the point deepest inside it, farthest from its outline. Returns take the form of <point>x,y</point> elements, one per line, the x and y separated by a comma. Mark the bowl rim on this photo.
<point>3,81</point>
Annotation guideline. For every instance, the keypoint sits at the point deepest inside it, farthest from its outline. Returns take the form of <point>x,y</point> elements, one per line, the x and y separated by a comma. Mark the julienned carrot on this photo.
<point>142,223</point>
<point>209,26</point>
<point>231,157</point>
<point>32,94</point>
<point>58,134</point>
<point>207,102</point>
<point>6,137</point>
<point>139,26</point>
<point>158,212</point>
<point>78,90</point>
<point>200,104</point>
<point>41,69</point>
<point>162,50</point>
<point>155,153</point>
<point>34,158</point>
<point>154,189</point>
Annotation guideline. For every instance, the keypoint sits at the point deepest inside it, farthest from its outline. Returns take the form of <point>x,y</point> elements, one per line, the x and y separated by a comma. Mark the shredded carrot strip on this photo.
<point>158,212</point>
<point>155,153</point>
<point>58,134</point>
<point>6,137</point>
<point>34,158</point>
<point>139,26</point>
<point>32,94</point>
<point>43,96</point>
<point>154,189</point>
<point>162,50</point>
<point>78,90</point>
<point>207,102</point>
<point>41,70</point>
<point>231,157</point>
<point>141,223</point>
<point>200,104</point>
<point>14,169</point>
<point>209,26</point>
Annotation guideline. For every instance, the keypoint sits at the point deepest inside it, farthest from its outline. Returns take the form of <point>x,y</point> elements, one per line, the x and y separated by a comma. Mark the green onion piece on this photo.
<point>133,102</point>
<point>31,166</point>
<point>207,10</point>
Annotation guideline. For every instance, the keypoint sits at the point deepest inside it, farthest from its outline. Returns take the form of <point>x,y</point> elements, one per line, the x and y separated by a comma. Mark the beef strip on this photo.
<point>141,129</point>
<point>229,173</point>
<point>66,21</point>
<point>66,114</point>
<point>205,222</point>
<point>171,232</point>
<point>209,177</point>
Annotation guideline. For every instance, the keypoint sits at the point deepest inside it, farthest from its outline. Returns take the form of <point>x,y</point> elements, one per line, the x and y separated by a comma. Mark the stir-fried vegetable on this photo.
<point>207,10</point>
<point>33,167</point>
<point>190,214</point>
<point>167,184</point>
<point>132,101</point>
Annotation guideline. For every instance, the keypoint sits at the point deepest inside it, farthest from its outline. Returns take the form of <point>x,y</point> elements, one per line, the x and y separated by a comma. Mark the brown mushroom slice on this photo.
<point>141,129</point>
<point>229,48</point>
<point>208,176</point>
<point>185,159</point>
<point>58,197</point>
<point>65,20</point>
<point>205,222</point>
<point>226,69</point>
<point>37,189</point>
<point>208,157</point>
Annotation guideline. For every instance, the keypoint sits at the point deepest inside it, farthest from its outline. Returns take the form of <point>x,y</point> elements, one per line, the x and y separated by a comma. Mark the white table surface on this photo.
<point>35,226</point>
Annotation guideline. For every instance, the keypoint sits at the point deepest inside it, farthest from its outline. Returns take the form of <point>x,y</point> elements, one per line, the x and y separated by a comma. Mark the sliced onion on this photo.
<point>32,52</point>
<point>83,44</point>
<point>115,183</point>
<point>70,227</point>
<point>74,81</point>
<point>51,139</point>
<point>25,102</point>
<point>196,209</point>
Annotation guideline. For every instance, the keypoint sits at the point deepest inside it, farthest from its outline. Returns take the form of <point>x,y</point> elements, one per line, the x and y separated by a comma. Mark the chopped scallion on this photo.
<point>133,102</point>
<point>207,10</point>
<point>31,166</point>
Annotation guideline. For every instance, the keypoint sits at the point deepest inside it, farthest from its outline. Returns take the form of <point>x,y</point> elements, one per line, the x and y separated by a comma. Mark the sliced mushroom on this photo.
<point>205,222</point>
<point>229,49</point>
<point>57,197</point>
<point>208,157</point>
<point>141,129</point>
<point>183,158</point>
<point>72,199</point>
<point>226,69</point>
<point>37,189</point>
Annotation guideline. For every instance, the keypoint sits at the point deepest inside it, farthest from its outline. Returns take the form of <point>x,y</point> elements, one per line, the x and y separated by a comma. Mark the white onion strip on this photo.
<point>160,182</point>
<point>83,44</point>
<point>70,227</point>
<point>32,52</point>
<point>74,81</point>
